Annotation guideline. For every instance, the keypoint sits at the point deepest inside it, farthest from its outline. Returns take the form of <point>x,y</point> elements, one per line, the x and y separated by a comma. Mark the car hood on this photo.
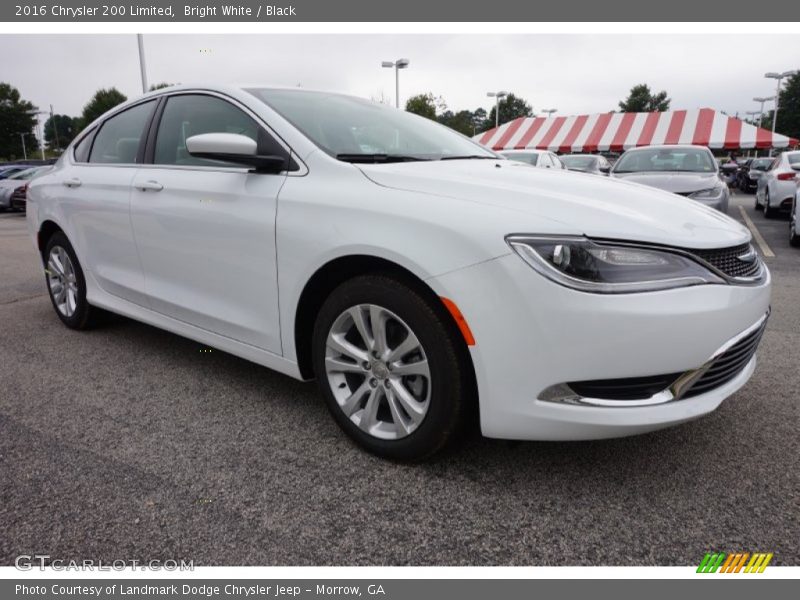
<point>675,182</point>
<point>557,201</point>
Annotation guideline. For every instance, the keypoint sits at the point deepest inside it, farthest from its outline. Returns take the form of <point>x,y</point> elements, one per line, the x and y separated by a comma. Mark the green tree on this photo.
<point>102,101</point>
<point>160,86</point>
<point>641,99</point>
<point>463,121</point>
<point>789,108</point>
<point>425,105</point>
<point>59,131</point>
<point>17,119</point>
<point>511,107</point>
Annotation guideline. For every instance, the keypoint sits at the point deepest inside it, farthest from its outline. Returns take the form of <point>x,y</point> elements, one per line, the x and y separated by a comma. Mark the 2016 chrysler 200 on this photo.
<point>421,278</point>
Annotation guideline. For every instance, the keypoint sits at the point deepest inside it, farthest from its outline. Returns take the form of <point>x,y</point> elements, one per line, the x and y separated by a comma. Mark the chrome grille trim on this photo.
<point>723,366</point>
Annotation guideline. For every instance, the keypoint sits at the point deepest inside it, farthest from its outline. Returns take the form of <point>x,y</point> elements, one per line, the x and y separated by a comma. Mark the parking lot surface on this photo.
<point>130,443</point>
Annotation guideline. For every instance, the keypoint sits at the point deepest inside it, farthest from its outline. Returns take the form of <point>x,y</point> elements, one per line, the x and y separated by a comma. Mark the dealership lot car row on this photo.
<point>313,233</point>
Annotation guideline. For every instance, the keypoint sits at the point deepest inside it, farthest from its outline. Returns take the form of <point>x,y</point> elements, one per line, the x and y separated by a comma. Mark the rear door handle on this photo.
<point>72,183</point>
<point>148,186</point>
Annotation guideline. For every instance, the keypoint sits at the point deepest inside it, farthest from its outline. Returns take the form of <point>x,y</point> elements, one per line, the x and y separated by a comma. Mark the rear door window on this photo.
<point>119,137</point>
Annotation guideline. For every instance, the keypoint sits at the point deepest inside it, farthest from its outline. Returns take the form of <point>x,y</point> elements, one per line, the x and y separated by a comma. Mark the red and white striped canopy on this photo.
<point>620,131</point>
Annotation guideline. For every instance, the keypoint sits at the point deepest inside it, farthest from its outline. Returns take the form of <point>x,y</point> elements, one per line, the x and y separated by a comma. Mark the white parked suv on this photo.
<point>420,278</point>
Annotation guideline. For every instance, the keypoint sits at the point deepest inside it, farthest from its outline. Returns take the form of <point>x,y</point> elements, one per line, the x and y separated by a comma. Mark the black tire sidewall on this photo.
<point>448,385</point>
<point>80,318</point>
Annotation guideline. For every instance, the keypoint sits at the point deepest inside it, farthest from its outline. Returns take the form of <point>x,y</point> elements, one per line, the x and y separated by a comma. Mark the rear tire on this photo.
<point>794,234</point>
<point>407,398</point>
<point>769,212</point>
<point>66,284</point>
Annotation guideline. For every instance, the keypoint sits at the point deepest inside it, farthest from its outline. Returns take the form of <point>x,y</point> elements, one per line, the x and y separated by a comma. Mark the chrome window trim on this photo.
<point>301,172</point>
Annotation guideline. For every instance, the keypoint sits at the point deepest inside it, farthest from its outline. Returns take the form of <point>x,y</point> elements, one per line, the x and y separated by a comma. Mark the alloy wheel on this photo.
<point>378,372</point>
<point>62,281</point>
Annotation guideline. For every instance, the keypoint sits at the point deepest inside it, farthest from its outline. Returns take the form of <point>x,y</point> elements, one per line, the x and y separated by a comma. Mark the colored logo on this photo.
<point>734,563</point>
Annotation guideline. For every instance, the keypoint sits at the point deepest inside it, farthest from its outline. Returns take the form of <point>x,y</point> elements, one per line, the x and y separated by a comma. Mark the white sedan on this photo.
<point>777,186</point>
<point>424,281</point>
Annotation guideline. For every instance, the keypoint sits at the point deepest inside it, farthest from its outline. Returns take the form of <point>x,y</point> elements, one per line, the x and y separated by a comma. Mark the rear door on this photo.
<point>205,230</point>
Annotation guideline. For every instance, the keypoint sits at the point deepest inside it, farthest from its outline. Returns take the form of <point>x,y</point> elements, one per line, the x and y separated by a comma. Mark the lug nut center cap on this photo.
<point>380,370</point>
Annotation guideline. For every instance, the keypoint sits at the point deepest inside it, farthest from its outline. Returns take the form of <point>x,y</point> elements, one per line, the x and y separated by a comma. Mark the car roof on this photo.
<point>669,147</point>
<point>522,151</point>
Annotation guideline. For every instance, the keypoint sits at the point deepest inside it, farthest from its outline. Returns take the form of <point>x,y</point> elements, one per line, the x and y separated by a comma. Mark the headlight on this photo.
<point>709,194</point>
<point>607,268</point>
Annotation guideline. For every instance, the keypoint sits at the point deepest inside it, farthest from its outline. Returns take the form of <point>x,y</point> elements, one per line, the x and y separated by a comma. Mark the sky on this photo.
<point>575,73</point>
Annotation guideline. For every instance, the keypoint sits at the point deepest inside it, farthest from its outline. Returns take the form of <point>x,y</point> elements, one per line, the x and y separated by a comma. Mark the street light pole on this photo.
<point>39,126</point>
<point>24,151</point>
<point>497,96</point>
<point>142,65</point>
<point>400,63</point>
<point>762,100</point>
<point>549,111</point>
<point>753,114</point>
<point>779,78</point>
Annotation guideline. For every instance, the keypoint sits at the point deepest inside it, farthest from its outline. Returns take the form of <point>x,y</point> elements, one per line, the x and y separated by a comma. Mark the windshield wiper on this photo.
<point>470,156</point>
<point>377,158</point>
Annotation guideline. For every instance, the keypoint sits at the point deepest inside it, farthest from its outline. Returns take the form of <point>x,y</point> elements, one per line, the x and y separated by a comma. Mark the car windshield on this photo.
<point>760,163</point>
<point>530,158</point>
<point>582,163</point>
<point>794,160</point>
<point>357,130</point>
<point>694,160</point>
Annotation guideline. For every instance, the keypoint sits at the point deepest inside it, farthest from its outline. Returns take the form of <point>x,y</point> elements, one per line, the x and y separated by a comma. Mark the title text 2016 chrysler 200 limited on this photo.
<point>421,278</point>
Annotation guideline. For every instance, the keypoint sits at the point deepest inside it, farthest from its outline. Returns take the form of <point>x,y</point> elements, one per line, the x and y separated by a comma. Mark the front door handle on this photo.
<point>148,186</point>
<point>72,183</point>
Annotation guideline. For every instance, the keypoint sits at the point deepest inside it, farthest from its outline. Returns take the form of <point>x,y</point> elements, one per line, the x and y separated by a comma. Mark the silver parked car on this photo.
<point>690,171</point>
<point>543,159</point>
<point>777,187</point>
<point>19,179</point>
<point>587,163</point>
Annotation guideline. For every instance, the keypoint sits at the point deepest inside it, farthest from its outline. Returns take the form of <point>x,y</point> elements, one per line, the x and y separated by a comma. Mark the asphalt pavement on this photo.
<point>131,443</point>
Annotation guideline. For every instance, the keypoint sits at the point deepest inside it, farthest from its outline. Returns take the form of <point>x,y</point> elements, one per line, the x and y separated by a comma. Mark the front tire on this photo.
<point>66,284</point>
<point>390,367</point>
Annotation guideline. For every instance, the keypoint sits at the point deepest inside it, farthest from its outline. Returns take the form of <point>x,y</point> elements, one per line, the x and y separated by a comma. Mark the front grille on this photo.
<point>727,261</point>
<point>629,388</point>
<point>728,364</point>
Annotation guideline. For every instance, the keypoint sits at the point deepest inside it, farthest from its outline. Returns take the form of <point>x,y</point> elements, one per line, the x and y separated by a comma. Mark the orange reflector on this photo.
<point>460,320</point>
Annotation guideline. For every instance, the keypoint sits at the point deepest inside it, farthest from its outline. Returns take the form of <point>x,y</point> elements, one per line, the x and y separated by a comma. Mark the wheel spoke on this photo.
<point>70,301</point>
<point>406,346</point>
<point>337,343</point>
<point>353,401</point>
<point>419,367</point>
<point>337,365</point>
<point>414,408</point>
<point>378,318</point>
<point>55,265</point>
<point>399,419</point>
<point>369,416</point>
<point>357,314</point>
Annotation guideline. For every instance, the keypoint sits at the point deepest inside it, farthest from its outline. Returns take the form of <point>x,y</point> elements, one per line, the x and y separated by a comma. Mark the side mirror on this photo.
<point>234,148</point>
<point>606,169</point>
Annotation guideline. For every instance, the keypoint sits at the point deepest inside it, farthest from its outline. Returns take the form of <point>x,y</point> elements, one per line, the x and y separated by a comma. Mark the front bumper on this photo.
<point>532,334</point>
